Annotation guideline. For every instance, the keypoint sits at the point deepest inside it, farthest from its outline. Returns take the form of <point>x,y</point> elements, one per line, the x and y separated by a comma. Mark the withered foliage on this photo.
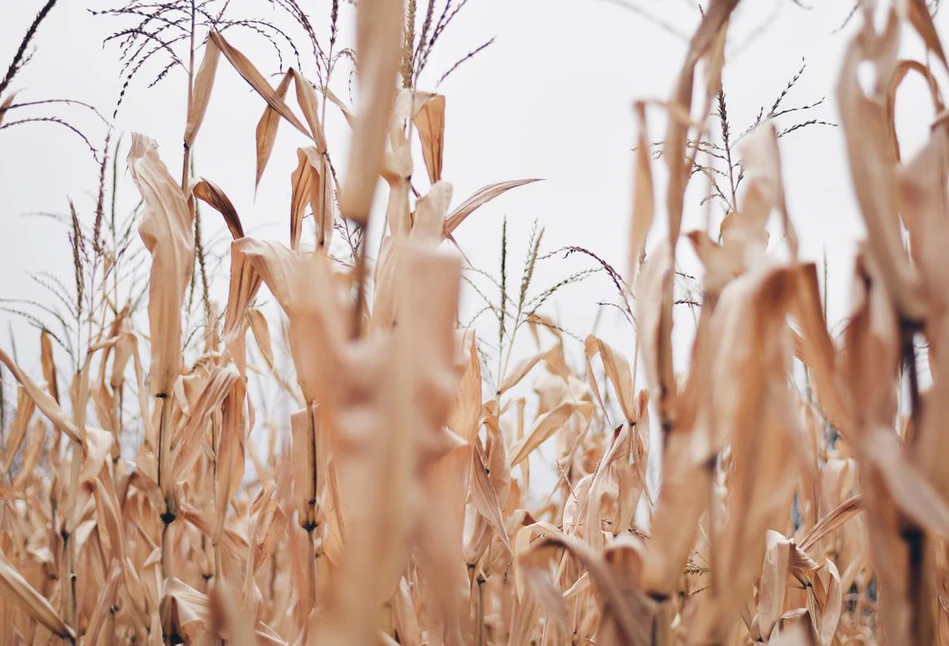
<point>396,505</point>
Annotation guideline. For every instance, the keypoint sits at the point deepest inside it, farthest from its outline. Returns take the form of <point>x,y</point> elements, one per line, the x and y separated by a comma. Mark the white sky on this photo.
<point>551,99</point>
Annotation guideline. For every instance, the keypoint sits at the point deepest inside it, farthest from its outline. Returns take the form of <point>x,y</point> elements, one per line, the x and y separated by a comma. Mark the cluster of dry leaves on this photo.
<point>395,506</point>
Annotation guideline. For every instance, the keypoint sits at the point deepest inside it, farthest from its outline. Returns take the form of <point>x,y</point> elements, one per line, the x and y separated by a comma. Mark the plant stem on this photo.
<point>913,535</point>
<point>164,479</point>
<point>310,523</point>
<point>186,161</point>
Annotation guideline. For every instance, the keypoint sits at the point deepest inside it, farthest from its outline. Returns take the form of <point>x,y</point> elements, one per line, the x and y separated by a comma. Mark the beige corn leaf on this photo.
<point>430,213</point>
<point>266,133</point>
<point>644,200</point>
<point>481,197</point>
<point>922,21</point>
<point>548,424</point>
<point>485,497</point>
<point>168,234</point>
<point>524,366</point>
<point>302,285</point>
<point>924,203</point>
<point>872,163</point>
<point>429,120</point>
<point>105,598</point>
<point>203,82</point>
<point>229,453</point>
<point>43,400</point>
<point>49,366</point>
<point>653,282</point>
<point>378,46</point>
<point>109,520</point>
<point>188,437</point>
<point>20,592</point>
<point>16,433</point>
<point>617,371</point>
<point>242,289</point>
<point>257,81</point>
<point>212,195</point>
<point>35,447</point>
<point>306,99</point>
<point>626,612</point>
<point>833,520</point>
<point>714,20</point>
<point>303,185</point>
<point>818,349</point>
<point>773,583</point>
<point>261,332</point>
<point>903,68</point>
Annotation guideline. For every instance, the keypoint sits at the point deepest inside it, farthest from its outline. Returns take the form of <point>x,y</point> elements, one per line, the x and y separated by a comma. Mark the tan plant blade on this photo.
<point>49,366</point>
<point>871,358</point>
<point>15,588</point>
<point>212,195</point>
<point>548,424</point>
<point>617,371</point>
<point>872,164</point>
<point>922,22</point>
<point>184,611</point>
<point>833,520</point>
<point>257,81</point>
<point>203,82</point>
<point>43,400</point>
<point>378,45</point>
<point>911,491</point>
<point>306,99</point>
<point>105,598</point>
<point>924,203</point>
<point>644,200</point>
<point>429,121</point>
<point>261,332</point>
<point>753,408</point>
<point>714,20</point>
<point>481,197</point>
<point>242,289</point>
<point>761,161</point>
<point>773,584</point>
<point>903,68</point>
<point>229,453</point>
<point>652,284</point>
<point>827,602</point>
<point>485,498</point>
<point>217,387</point>
<point>430,213</point>
<point>302,183</point>
<point>626,612</point>
<point>818,348</point>
<point>302,284</point>
<point>167,232</point>
<point>524,366</point>
<point>322,205</point>
<point>267,127</point>
<point>109,520</point>
<point>16,433</point>
<point>35,448</point>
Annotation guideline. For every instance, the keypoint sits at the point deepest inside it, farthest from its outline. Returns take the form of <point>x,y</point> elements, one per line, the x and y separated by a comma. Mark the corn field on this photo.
<point>799,496</point>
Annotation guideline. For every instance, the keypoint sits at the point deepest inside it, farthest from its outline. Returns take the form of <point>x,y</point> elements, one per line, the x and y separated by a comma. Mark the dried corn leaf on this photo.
<point>429,120</point>
<point>378,46</point>
<point>15,588</point>
<point>167,232</point>
<point>203,82</point>
<point>481,197</point>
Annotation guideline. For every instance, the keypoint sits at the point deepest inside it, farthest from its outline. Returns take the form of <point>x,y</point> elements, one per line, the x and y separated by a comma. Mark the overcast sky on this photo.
<point>550,99</point>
